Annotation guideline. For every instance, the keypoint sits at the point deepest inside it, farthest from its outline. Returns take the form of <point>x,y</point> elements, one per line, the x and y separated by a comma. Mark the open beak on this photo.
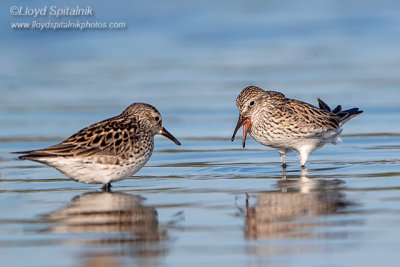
<point>246,123</point>
<point>170,136</point>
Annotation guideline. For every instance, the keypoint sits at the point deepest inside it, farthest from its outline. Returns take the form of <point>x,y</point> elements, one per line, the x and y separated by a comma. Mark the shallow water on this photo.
<point>208,201</point>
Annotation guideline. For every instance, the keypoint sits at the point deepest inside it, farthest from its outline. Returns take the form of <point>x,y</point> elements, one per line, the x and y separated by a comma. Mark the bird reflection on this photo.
<point>293,211</point>
<point>118,220</point>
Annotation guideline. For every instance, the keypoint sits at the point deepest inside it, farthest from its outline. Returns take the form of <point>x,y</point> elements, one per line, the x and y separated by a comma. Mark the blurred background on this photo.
<point>190,59</point>
<point>193,58</point>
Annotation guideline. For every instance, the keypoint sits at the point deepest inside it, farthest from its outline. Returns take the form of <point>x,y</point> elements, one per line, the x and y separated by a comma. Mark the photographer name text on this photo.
<point>53,11</point>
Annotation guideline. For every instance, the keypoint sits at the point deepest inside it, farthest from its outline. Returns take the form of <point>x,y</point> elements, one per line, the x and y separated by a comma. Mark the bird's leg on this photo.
<point>303,155</point>
<point>106,187</point>
<point>283,160</point>
<point>284,173</point>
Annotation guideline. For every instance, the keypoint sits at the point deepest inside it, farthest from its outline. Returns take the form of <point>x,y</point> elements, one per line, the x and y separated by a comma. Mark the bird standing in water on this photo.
<point>286,124</point>
<point>107,151</point>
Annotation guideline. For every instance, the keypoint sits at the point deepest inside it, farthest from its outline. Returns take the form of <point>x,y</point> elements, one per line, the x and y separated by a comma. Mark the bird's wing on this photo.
<point>312,119</point>
<point>109,137</point>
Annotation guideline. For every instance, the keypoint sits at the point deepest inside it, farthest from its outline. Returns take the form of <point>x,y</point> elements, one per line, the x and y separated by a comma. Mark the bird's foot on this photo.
<point>106,187</point>
<point>284,171</point>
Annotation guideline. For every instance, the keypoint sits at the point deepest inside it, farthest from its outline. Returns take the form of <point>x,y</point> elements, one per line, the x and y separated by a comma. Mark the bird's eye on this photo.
<point>251,103</point>
<point>157,118</point>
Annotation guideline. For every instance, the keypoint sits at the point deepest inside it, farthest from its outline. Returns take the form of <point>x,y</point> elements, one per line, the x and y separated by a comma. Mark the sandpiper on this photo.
<point>286,124</point>
<point>107,151</point>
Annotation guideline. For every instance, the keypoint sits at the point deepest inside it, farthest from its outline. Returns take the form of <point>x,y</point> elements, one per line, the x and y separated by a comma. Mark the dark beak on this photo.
<point>170,136</point>
<point>238,125</point>
<point>246,123</point>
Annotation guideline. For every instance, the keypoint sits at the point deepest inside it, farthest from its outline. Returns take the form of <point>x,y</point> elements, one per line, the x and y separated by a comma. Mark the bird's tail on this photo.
<point>343,115</point>
<point>31,154</point>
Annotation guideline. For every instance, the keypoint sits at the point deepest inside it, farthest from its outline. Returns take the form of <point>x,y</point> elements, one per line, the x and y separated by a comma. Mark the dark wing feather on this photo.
<point>109,137</point>
<point>337,109</point>
<point>323,105</point>
<point>344,115</point>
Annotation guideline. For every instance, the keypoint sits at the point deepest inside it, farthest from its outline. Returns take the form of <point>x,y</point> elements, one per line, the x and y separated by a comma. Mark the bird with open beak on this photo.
<point>246,123</point>
<point>287,124</point>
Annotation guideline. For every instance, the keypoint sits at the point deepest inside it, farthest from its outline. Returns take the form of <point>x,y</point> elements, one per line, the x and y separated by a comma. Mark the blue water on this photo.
<point>187,206</point>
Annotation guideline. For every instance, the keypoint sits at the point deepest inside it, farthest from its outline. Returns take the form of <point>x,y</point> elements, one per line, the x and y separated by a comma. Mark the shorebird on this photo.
<point>287,124</point>
<point>107,151</point>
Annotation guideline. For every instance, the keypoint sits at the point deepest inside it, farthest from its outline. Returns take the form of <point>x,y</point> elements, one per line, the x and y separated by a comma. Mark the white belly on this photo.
<point>89,170</point>
<point>299,143</point>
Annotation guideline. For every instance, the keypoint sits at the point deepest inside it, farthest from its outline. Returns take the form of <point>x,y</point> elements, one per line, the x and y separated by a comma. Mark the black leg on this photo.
<point>106,187</point>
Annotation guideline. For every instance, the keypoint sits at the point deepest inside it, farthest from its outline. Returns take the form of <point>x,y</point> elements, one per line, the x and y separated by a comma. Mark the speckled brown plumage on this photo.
<point>287,124</point>
<point>109,150</point>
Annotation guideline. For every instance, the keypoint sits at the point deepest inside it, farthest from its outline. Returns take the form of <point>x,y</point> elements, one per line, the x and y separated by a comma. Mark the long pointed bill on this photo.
<point>170,136</point>
<point>246,123</point>
<point>238,125</point>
